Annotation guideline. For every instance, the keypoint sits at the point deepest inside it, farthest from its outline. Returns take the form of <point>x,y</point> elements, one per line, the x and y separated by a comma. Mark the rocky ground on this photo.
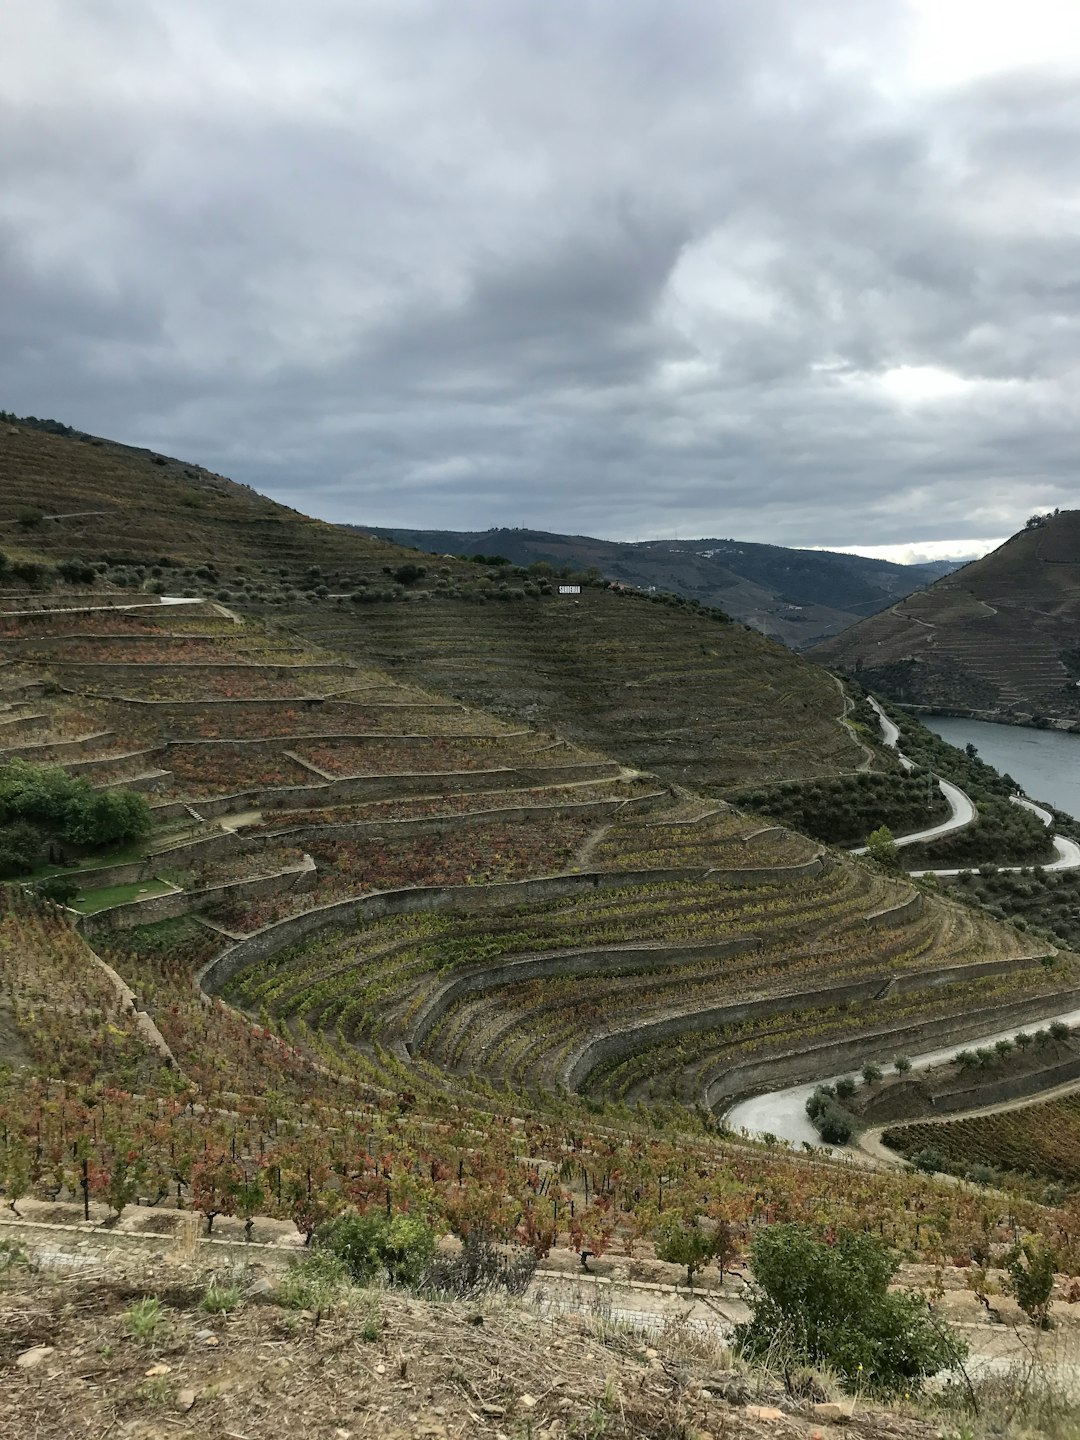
<point>121,1343</point>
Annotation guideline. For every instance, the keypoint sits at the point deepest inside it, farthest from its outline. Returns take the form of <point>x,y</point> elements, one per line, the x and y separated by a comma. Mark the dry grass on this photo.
<point>368,1364</point>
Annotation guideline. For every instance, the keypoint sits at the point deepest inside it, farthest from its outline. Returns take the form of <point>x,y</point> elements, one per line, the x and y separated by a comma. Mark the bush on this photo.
<point>371,1247</point>
<point>881,847</point>
<point>1031,1280</point>
<point>684,1242</point>
<point>20,848</point>
<point>478,1269</point>
<point>830,1306</point>
<point>835,1126</point>
<point>60,889</point>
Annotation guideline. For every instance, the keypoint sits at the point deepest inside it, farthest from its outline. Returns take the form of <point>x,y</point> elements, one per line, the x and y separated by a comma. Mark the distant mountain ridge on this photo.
<point>999,638</point>
<point>797,596</point>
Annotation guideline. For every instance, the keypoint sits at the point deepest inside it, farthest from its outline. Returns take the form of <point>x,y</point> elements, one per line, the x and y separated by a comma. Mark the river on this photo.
<point>1046,763</point>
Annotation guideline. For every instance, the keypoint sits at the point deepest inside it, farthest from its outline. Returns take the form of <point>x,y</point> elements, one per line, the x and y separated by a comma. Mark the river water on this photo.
<point>1045,762</point>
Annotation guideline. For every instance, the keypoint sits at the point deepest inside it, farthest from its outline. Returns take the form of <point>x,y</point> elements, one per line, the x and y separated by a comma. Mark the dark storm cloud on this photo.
<point>661,268</point>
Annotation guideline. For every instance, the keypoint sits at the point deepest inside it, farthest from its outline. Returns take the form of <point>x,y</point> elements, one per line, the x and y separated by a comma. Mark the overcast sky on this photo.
<point>802,271</point>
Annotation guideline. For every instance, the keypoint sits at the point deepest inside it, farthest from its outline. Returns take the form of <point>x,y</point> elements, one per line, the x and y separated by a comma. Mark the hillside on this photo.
<point>665,687</point>
<point>431,922</point>
<point>797,596</point>
<point>997,639</point>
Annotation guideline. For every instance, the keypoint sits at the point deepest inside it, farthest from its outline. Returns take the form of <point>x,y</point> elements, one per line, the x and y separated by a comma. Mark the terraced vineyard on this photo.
<point>396,949</point>
<point>715,711</point>
<point>1040,1140</point>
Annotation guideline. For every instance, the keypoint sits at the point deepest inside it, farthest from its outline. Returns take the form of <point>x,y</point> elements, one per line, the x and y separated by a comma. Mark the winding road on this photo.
<point>783,1112</point>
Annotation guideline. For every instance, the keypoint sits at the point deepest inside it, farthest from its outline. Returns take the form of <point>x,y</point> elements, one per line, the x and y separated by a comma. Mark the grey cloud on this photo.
<point>634,269</point>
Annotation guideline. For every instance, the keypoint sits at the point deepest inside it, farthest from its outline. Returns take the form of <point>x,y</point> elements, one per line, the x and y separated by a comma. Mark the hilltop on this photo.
<point>797,596</point>
<point>996,639</point>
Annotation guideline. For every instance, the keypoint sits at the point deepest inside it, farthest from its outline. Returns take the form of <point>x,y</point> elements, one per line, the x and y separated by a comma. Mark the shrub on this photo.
<point>20,848</point>
<point>60,889</point>
<point>1031,1280</point>
<point>830,1306</point>
<point>846,1087</point>
<point>372,1247</point>
<point>929,1160</point>
<point>478,1269</point>
<point>835,1125</point>
<point>683,1242</point>
<point>881,847</point>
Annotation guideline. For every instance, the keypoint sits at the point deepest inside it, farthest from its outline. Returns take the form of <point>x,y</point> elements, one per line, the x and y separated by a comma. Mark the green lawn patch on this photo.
<point>90,902</point>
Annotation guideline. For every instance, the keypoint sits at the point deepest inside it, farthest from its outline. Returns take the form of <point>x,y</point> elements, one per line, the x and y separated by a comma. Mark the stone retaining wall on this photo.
<point>280,669</point>
<point>468,899</point>
<point>150,1033</point>
<point>61,748</point>
<point>975,1096</point>
<point>614,958</point>
<point>321,794</point>
<point>818,1062</point>
<point>230,841</point>
<point>617,1045</point>
<point>182,902</point>
<point>901,914</point>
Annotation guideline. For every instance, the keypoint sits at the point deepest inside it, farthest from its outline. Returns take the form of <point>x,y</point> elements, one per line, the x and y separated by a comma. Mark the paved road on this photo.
<point>783,1113</point>
<point>961,810</point>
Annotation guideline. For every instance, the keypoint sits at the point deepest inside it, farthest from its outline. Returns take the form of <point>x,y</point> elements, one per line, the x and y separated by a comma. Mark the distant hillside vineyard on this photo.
<point>999,639</point>
<point>797,596</point>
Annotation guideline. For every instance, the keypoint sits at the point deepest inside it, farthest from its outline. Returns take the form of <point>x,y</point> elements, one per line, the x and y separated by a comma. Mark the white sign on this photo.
<point>569,589</point>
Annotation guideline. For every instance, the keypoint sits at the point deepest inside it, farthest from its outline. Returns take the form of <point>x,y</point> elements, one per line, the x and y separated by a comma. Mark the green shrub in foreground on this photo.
<point>830,1306</point>
<point>372,1247</point>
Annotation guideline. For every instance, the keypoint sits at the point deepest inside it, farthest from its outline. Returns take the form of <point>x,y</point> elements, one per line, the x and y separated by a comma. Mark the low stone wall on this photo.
<point>972,1096</point>
<point>775,875</point>
<point>320,794</point>
<point>617,1045</point>
<point>13,722</point>
<point>126,669</point>
<point>499,895</point>
<point>466,898</point>
<point>178,857</point>
<point>60,748</point>
<point>601,960</point>
<point>394,830</point>
<point>183,902</point>
<point>276,743</point>
<point>150,1033</point>
<point>101,762</point>
<point>240,709</point>
<point>901,914</point>
<point>818,1062</point>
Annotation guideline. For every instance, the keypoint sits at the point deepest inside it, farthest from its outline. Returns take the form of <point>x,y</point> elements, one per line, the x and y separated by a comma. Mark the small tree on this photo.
<point>830,1305</point>
<point>881,847</point>
<point>683,1241</point>
<point>1031,1280</point>
<point>902,1064</point>
<point>871,1074</point>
